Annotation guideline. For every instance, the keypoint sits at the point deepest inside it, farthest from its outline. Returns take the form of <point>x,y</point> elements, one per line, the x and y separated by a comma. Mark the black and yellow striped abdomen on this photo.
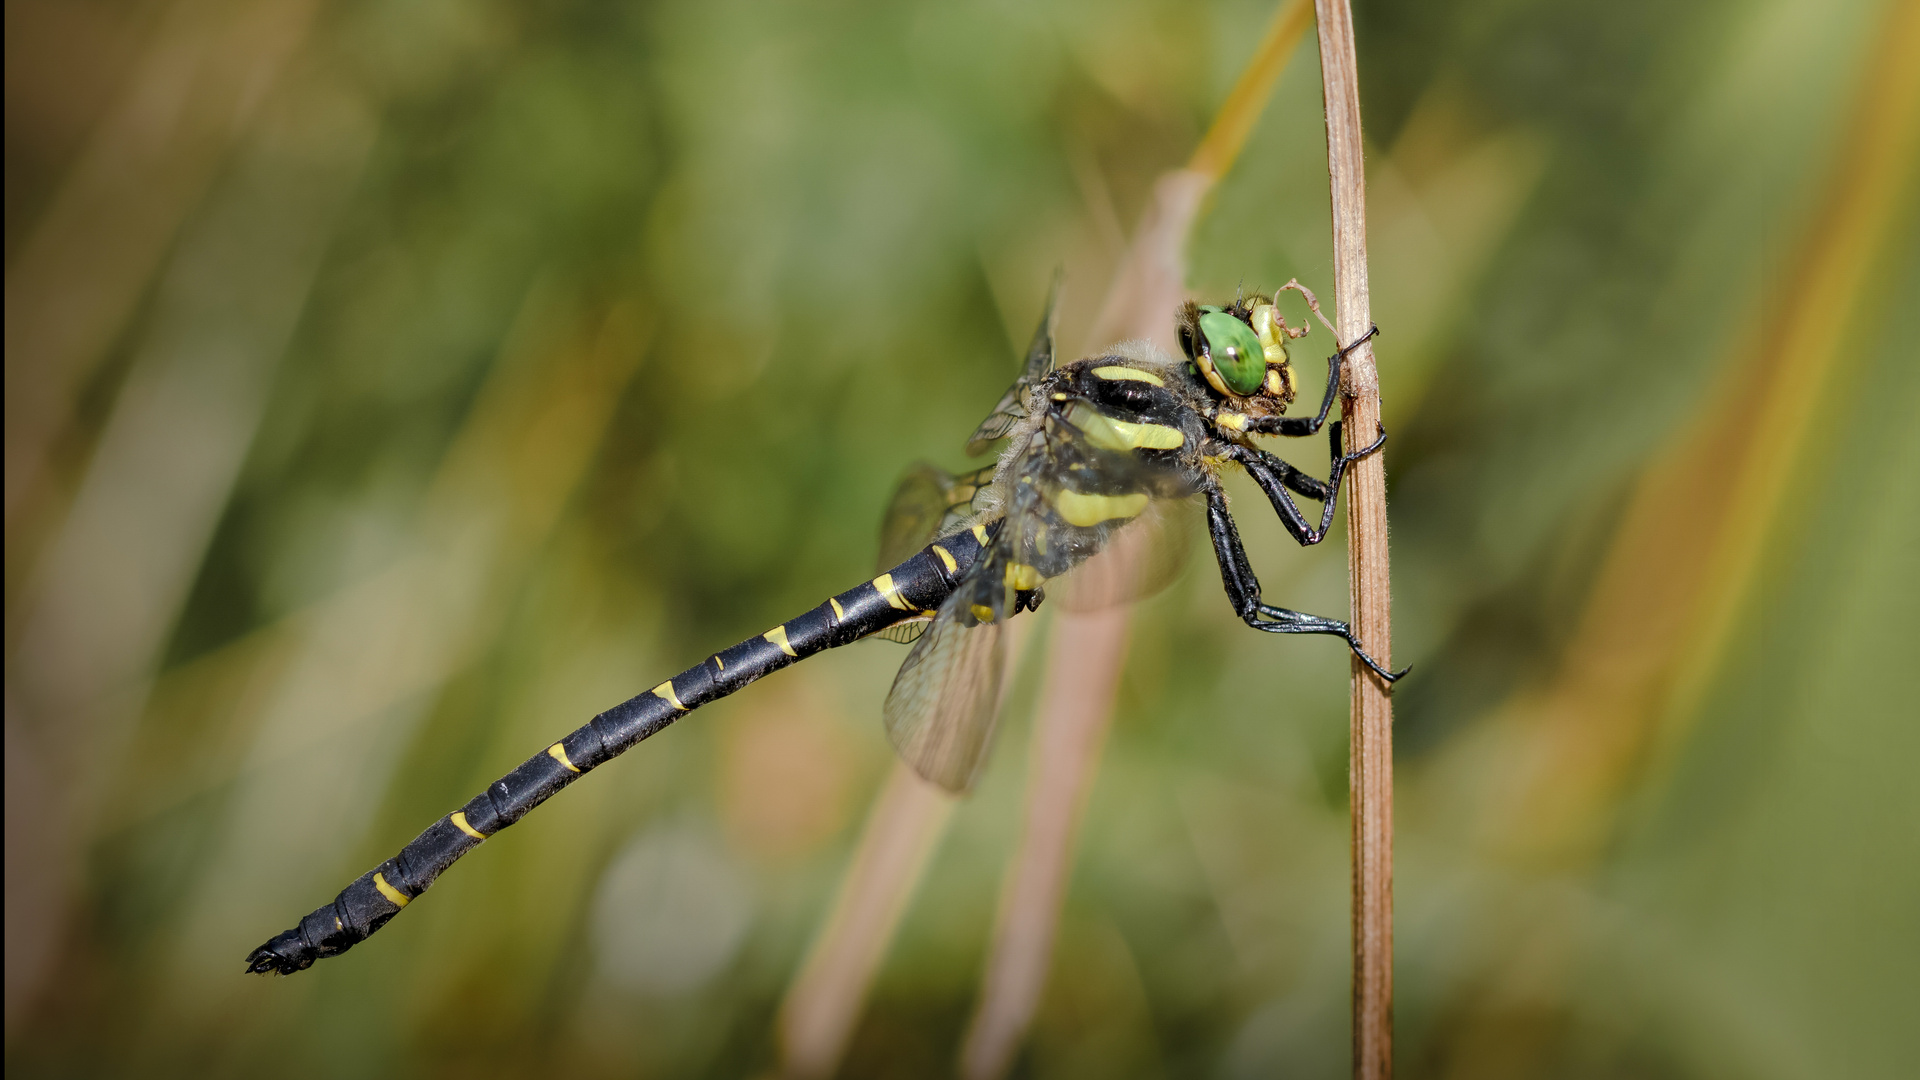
<point>917,585</point>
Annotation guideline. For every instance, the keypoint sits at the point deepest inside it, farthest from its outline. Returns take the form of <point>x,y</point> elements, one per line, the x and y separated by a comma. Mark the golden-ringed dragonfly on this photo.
<point>1093,447</point>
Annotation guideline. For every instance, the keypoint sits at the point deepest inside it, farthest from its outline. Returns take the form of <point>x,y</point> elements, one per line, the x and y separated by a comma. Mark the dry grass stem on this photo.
<point>823,1004</point>
<point>908,820</point>
<point>1087,653</point>
<point>1076,702</point>
<point>1370,768</point>
<point>1076,699</point>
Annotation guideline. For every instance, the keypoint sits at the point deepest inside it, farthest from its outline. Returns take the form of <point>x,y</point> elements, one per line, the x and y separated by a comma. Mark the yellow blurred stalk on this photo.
<point>1682,570</point>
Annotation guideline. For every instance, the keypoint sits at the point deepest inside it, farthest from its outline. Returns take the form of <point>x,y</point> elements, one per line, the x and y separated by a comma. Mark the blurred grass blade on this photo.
<point>1071,721</point>
<point>114,577</point>
<point>823,1003</point>
<point>92,254</point>
<point>1804,347</point>
<point>908,820</point>
<point>370,658</point>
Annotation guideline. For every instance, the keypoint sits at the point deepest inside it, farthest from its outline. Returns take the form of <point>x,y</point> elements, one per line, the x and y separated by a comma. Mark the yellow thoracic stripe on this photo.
<point>399,898</point>
<point>1107,433</point>
<point>1021,576</point>
<point>884,583</point>
<point>1232,420</point>
<point>1149,436</point>
<point>1088,510</point>
<point>459,819</point>
<point>559,754</point>
<point>946,557</point>
<point>1114,371</point>
<point>980,534</point>
<point>665,690</point>
<point>778,635</point>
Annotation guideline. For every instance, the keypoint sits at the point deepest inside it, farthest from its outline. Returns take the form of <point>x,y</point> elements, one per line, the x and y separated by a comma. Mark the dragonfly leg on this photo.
<point>1288,621</point>
<point>1276,478</point>
<point>1243,591</point>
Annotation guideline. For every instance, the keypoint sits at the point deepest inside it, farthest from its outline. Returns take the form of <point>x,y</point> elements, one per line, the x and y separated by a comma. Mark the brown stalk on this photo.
<point>1370,767</point>
<point>1089,648</point>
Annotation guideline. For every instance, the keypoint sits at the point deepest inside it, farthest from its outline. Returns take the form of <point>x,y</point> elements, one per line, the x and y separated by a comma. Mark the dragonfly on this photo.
<point>1092,448</point>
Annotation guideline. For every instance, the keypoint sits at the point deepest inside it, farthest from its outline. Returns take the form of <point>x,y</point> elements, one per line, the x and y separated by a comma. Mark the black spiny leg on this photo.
<point>1276,477</point>
<point>1243,591</point>
<point>1295,427</point>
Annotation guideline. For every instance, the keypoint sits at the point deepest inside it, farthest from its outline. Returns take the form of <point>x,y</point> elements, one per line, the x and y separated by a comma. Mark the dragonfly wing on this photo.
<point>1013,404</point>
<point>913,515</point>
<point>945,700</point>
<point>928,503</point>
<point>1072,484</point>
<point>905,632</point>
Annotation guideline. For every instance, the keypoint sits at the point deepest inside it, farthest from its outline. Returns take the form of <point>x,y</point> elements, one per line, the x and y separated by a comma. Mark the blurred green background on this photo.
<point>391,386</point>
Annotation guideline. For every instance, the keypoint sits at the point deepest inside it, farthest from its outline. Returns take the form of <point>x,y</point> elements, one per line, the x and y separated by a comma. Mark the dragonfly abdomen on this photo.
<point>917,585</point>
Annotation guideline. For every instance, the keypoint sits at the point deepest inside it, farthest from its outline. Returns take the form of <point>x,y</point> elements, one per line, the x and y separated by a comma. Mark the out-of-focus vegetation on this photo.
<point>391,386</point>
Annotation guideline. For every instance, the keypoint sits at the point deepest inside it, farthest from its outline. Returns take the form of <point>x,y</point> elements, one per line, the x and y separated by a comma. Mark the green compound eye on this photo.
<point>1235,350</point>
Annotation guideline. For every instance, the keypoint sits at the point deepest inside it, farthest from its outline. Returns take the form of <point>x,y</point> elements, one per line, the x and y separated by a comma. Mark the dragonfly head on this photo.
<point>1240,350</point>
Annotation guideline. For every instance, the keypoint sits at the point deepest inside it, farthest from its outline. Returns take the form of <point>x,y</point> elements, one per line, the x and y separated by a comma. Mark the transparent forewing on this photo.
<point>913,514</point>
<point>1013,404</point>
<point>928,503</point>
<point>1065,492</point>
<point>945,700</point>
